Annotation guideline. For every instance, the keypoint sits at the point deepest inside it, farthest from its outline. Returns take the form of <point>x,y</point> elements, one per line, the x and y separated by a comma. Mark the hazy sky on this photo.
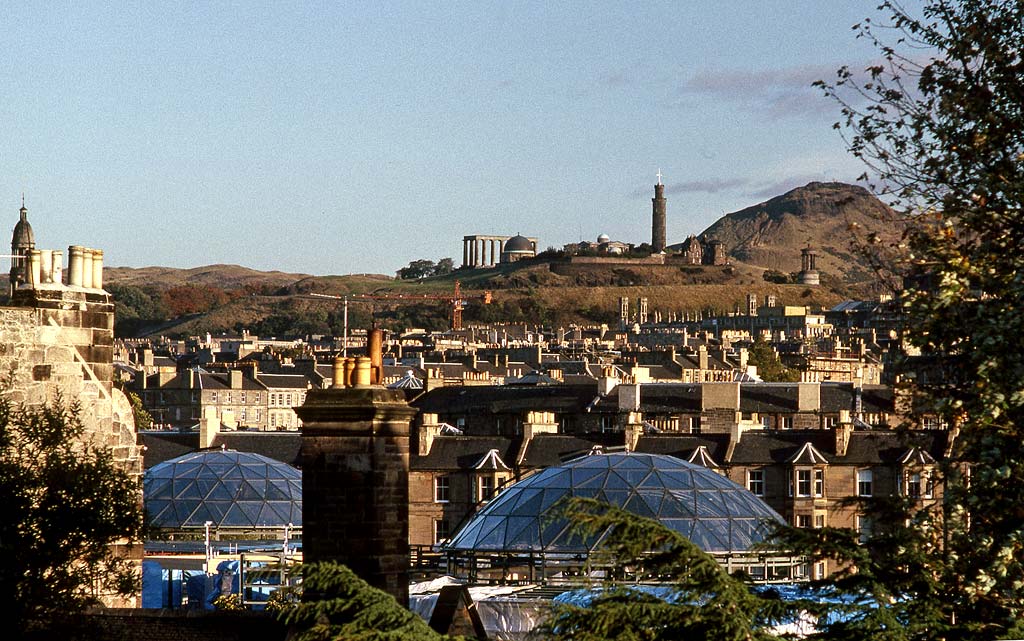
<point>354,137</point>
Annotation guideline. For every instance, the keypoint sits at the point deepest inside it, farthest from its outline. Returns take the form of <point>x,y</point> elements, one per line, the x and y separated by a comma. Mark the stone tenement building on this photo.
<point>56,342</point>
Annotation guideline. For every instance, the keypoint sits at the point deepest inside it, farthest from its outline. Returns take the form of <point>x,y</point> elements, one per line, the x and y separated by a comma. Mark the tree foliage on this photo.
<point>338,605</point>
<point>769,367</point>
<point>939,121</point>
<point>143,419</point>
<point>706,603</point>
<point>65,502</point>
<point>422,268</point>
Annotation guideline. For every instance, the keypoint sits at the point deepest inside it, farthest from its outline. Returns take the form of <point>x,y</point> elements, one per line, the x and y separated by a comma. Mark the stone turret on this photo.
<point>23,241</point>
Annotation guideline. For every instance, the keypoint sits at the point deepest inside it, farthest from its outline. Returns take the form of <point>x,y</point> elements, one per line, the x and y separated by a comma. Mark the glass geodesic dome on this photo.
<point>230,489</point>
<point>709,509</point>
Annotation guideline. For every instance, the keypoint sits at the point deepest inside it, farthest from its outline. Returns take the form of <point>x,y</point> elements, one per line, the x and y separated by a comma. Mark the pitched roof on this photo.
<point>491,461</point>
<point>160,446</point>
<point>545,450</point>
<point>454,453</point>
<point>701,456</point>
<point>808,455</point>
<point>684,446</point>
<point>497,399</point>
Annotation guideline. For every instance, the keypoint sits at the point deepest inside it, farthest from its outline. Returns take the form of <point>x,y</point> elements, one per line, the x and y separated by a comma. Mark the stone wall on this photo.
<point>60,345</point>
<point>164,625</point>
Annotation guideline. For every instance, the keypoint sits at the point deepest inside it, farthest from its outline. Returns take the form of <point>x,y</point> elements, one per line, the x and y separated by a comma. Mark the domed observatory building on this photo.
<point>517,248</point>
<point>519,535</point>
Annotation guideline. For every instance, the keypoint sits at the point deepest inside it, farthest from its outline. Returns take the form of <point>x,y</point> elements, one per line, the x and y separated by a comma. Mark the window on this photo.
<point>766,422</point>
<point>787,422</point>
<point>831,421</point>
<point>819,483</point>
<point>213,397</point>
<point>607,423</point>
<point>442,488</point>
<point>486,488</point>
<point>695,425</point>
<point>819,570</point>
<point>864,528</point>
<point>803,520</point>
<point>440,530</point>
<point>865,480</point>
<point>228,400</point>
<point>803,482</point>
<point>243,399</point>
<point>914,485</point>
<point>819,520</point>
<point>755,482</point>
<point>288,400</point>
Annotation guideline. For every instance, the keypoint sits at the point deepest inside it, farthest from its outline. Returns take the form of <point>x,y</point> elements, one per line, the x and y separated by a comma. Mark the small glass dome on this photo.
<point>231,489</point>
<point>709,509</point>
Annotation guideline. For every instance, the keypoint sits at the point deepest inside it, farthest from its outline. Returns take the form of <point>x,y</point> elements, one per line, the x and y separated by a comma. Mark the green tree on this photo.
<point>706,602</point>
<point>66,502</point>
<point>417,269</point>
<point>338,605</point>
<point>940,125</point>
<point>143,419</point>
<point>769,367</point>
<point>443,267</point>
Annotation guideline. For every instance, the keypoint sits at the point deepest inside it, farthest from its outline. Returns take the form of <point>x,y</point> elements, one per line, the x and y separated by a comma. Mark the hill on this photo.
<point>767,236</point>
<point>825,216</point>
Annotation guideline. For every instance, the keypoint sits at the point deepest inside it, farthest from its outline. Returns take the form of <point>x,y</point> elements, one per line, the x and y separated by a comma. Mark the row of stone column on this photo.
<point>480,252</point>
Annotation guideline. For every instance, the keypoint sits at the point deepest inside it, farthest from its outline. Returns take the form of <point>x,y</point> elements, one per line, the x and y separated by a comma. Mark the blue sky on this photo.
<point>334,138</point>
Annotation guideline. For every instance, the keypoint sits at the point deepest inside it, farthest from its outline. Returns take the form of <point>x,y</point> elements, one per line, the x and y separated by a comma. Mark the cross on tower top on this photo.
<point>659,175</point>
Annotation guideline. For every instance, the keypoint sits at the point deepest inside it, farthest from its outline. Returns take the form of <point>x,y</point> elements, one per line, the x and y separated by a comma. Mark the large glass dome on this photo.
<point>709,509</point>
<point>231,489</point>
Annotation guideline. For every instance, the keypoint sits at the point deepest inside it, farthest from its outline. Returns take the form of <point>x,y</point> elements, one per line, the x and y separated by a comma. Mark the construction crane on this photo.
<point>456,301</point>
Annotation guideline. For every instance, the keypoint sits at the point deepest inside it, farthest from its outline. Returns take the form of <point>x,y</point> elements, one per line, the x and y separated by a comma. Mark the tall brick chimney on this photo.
<point>355,481</point>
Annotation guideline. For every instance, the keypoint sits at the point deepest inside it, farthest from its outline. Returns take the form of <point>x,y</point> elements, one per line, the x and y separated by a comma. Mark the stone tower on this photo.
<point>23,241</point>
<point>355,479</point>
<point>658,217</point>
<point>808,267</point>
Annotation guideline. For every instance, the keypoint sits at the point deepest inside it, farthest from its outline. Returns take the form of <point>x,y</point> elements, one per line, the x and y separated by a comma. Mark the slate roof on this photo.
<point>768,398</point>
<point>545,450</point>
<point>887,446</point>
<point>453,453</point>
<point>280,446</point>
<point>762,448</point>
<point>684,445</point>
<point>162,446</point>
<point>497,399</point>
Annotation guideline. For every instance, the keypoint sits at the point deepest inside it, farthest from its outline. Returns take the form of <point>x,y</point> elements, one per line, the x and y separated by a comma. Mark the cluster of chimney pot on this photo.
<point>361,371</point>
<point>85,267</point>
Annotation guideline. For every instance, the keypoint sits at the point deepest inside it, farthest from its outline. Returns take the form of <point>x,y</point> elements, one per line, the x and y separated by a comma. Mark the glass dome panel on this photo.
<point>232,489</point>
<point>715,513</point>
